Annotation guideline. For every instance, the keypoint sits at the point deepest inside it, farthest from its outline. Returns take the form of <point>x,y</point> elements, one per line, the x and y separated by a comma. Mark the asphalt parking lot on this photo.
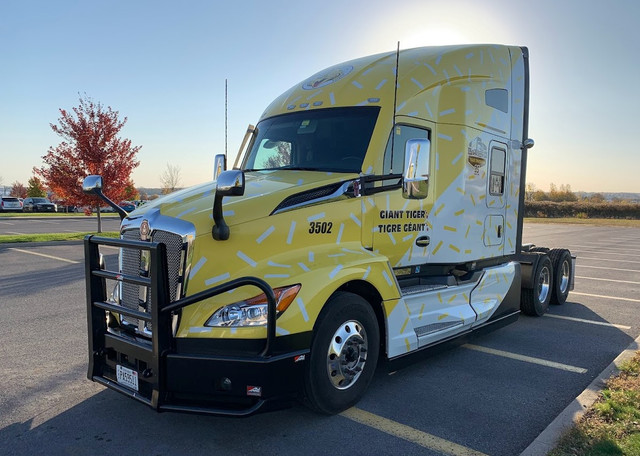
<point>65,224</point>
<point>492,396</point>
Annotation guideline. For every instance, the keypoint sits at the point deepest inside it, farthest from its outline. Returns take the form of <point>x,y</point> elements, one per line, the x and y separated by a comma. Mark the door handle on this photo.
<point>423,241</point>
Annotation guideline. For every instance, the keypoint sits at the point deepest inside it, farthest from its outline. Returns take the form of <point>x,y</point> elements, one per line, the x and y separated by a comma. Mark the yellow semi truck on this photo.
<point>374,212</point>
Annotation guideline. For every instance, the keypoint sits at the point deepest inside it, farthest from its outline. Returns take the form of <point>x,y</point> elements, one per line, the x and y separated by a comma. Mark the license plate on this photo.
<point>127,377</point>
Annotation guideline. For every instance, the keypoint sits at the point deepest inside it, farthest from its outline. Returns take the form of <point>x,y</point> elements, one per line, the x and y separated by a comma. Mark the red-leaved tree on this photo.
<point>90,145</point>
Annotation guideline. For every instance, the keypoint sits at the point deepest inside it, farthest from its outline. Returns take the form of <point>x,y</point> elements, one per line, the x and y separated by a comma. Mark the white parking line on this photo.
<point>600,252</point>
<point>408,433</point>
<point>43,255</point>
<point>605,297</point>
<point>617,260</point>
<point>6,223</point>
<point>600,249</point>
<point>608,280</point>
<point>527,359</point>
<point>15,232</point>
<point>591,322</point>
<point>608,269</point>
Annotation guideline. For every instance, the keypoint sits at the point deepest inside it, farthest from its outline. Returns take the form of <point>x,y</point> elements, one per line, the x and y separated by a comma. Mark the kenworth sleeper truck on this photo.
<point>374,212</point>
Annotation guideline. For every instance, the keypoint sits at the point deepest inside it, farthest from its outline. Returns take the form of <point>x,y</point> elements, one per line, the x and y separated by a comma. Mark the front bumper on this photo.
<point>232,378</point>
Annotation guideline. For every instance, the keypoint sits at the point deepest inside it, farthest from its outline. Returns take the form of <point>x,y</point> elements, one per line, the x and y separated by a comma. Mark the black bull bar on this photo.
<point>102,341</point>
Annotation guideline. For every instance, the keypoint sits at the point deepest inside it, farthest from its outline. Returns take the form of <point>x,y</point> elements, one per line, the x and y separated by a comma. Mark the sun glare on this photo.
<point>433,36</point>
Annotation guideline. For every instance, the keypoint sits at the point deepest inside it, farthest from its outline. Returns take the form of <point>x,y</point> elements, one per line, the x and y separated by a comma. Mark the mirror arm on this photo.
<point>98,192</point>
<point>220,230</point>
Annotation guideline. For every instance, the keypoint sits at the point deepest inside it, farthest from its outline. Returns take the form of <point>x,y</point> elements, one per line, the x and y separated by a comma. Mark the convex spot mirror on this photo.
<point>219,165</point>
<point>415,180</point>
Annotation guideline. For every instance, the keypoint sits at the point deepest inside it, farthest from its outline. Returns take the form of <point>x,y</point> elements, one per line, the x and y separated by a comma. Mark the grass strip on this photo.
<point>612,425</point>
<point>48,237</point>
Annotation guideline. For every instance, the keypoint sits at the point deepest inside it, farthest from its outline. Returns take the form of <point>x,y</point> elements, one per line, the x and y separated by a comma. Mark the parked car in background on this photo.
<point>37,204</point>
<point>10,203</point>
<point>127,206</point>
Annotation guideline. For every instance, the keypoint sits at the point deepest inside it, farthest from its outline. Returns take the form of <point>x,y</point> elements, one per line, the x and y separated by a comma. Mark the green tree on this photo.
<point>35,187</point>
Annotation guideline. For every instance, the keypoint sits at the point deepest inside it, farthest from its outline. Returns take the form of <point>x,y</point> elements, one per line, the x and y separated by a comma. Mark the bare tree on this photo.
<point>171,178</point>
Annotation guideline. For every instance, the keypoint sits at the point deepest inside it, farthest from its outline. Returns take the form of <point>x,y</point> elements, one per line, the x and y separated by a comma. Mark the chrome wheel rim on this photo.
<point>564,278</point>
<point>347,354</point>
<point>543,286</point>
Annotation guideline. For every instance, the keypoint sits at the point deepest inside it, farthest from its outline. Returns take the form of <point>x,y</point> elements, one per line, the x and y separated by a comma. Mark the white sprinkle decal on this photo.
<point>311,257</point>
<point>266,234</point>
<point>355,219</point>
<point>430,68</point>
<point>332,98</point>
<point>246,259</point>
<point>315,217</point>
<point>217,279</point>
<point>291,230</point>
<point>304,267</point>
<point>458,157</point>
<point>416,82</point>
<point>386,277</point>
<point>276,276</point>
<point>188,211</point>
<point>196,268</point>
<point>277,265</point>
<point>426,105</point>
<point>335,271</point>
<point>366,273</point>
<point>379,86</point>
<point>340,233</point>
<point>303,310</point>
<point>357,84</point>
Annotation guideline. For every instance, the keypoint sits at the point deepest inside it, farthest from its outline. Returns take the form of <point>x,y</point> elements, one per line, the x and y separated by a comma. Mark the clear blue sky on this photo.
<point>163,65</point>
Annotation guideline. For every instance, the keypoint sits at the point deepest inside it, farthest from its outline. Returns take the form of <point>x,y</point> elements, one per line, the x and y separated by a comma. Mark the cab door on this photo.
<point>400,225</point>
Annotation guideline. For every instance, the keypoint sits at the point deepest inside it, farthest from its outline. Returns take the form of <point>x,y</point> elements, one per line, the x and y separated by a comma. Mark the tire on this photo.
<point>344,354</point>
<point>562,271</point>
<point>535,301</point>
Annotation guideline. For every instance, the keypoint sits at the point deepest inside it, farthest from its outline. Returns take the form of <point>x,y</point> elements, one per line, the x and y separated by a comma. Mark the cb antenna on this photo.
<point>395,102</point>
<point>225,119</point>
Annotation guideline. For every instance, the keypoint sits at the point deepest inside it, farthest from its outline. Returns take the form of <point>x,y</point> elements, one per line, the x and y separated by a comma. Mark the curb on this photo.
<point>548,439</point>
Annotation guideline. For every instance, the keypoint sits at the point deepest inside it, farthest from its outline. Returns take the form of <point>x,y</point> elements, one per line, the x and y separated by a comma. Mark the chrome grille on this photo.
<point>132,262</point>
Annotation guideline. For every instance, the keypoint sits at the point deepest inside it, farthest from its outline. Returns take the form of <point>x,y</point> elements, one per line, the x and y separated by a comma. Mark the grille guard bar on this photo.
<point>162,342</point>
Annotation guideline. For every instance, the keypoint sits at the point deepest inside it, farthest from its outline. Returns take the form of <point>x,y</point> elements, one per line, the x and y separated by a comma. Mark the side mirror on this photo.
<point>528,143</point>
<point>219,165</point>
<point>92,185</point>
<point>230,183</point>
<point>415,180</point>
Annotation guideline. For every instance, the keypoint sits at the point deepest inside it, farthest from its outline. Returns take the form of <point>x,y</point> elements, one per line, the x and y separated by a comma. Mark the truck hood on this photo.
<point>264,192</point>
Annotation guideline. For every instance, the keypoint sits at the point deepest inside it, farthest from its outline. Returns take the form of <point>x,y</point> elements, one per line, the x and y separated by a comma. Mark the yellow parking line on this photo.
<point>43,255</point>
<point>408,433</point>
<point>527,359</point>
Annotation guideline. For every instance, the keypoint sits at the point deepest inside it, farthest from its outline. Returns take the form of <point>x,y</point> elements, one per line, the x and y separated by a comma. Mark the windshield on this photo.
<point>40,200</point>
<point>320,140</point>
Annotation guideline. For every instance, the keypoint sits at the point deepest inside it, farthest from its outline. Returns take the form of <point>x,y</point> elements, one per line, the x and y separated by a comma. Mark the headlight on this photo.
<point>253,311</point>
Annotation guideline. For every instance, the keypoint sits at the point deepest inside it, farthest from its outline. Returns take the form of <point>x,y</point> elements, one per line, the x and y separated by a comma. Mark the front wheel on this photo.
<point>535,301</point>
<point>344,354</point>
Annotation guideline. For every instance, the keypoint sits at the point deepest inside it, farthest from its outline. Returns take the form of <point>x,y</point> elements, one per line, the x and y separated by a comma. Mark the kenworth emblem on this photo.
<point>144,230</point>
